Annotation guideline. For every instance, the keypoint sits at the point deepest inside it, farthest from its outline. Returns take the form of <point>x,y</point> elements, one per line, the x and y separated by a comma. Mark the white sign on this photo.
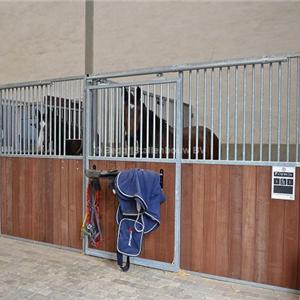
<point>283,183</point>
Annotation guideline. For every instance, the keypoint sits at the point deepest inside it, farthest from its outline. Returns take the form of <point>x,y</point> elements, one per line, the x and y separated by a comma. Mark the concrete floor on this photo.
<point>35,271</point>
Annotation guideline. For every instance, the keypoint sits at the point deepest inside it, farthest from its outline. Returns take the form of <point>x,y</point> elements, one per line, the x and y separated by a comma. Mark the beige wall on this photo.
<point>46,39</point>
<point>41,40</point>
<point>133,35</point>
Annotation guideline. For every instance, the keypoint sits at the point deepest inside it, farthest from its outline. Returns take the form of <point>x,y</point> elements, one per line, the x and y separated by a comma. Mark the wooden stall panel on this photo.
<point>158,245</point>
<point>6,195</point>
<point>41,199</point>
<point>231,227</point>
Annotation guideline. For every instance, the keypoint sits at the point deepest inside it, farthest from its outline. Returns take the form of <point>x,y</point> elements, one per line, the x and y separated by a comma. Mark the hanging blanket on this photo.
<point>139,194</point>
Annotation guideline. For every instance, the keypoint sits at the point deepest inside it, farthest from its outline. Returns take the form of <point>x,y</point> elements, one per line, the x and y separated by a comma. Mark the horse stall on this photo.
<point>215,131</point>
<point>41,183</point>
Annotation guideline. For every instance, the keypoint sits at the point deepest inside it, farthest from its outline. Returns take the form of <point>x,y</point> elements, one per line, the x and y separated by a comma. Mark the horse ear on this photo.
<point>125,95</point>
<point>138,93</point>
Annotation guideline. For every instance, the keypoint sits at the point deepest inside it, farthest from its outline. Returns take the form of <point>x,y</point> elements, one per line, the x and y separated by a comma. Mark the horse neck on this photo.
<point>157,128</point>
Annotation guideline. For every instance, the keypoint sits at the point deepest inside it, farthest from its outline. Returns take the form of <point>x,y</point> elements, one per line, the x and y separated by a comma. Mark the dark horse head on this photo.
<point>143,128</point>
<point>152,134</point>
<point>53,128</point>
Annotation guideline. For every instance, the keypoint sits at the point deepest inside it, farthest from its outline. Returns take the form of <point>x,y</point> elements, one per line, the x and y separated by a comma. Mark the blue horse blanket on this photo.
<point>139,194</point>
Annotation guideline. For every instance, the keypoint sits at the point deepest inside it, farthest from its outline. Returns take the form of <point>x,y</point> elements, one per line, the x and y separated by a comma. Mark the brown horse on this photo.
<point>157,143</point>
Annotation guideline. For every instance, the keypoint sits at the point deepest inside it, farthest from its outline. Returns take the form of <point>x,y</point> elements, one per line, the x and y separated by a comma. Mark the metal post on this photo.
<point>179,117</point>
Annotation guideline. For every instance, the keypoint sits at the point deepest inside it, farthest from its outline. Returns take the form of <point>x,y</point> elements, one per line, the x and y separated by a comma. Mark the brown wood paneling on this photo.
<point>235,226</point>
<point>263,189</point>
<point>223,215</point>
<point>6,196</point>
<point>56,201</point>
<point>41,199</point>
<point>64,202</point>
<point>35,200</point>
<point>75,203</point>
<point>248,223</point>
<point>240,232</point>
<point>157,245</point>
<point>186,223</point>
<point>209,219</point>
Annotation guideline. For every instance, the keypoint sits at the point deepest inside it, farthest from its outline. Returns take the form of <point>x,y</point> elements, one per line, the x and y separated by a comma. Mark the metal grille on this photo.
<point>134,120</point>
<point>252,108</point>
<point>241,111</point>
<point>41,118</point>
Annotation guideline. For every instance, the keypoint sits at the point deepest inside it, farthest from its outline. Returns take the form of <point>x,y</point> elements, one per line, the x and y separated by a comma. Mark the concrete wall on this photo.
<point>47,39</point>
<point>145,34</point>
<point>41,40</point>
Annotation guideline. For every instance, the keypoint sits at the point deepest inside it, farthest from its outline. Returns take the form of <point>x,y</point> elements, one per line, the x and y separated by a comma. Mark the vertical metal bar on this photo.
<point>228,114</point>
<point>33,101</point>
<point>190,114</point>
<point>147,137</point>
<point>154,120</point>
<point>279,110</point>
<point>1,123</point>
<point>288,100</point>
<point>236,72</point>
<point>123,120</point>
<point>168,120</point>
<point>41,112</point>
<point>13,120</point>
<point>6,135</point>
<point>174,122</point>
<point>60,117</point>
<point>197,116</point>
<point>19,121</point>
<point>28,108</point>
<point>55,117</point>
<point>105,121</point>
<point>128,123</point>
<point>244,111</point>
<point>253,112</point>
<point>23,118</point>
<point>261,110</point>
<point>112,116</point>
<point>160,122</point>
<point>93,122</point>
<point>69,112</point>
<point>141,123</point>
<point>51,117</point>
<point>5,123</point>
<point>10,121</point>
<point>179,117</point>
<point>86,144</point>
<point>220,113</point>
<point>298,109</point>
<point>46,92</point>
<point>80,105</point>
<point>21,105</point>
<point>36,110</point>
<point>74,101</point>
<point>99,116</point>
<point>270,110</point>
<point>204,115</point>
<point>212,114</point>
<point>64,131</point>
<point>134,122</point>
<point>117,123</point>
